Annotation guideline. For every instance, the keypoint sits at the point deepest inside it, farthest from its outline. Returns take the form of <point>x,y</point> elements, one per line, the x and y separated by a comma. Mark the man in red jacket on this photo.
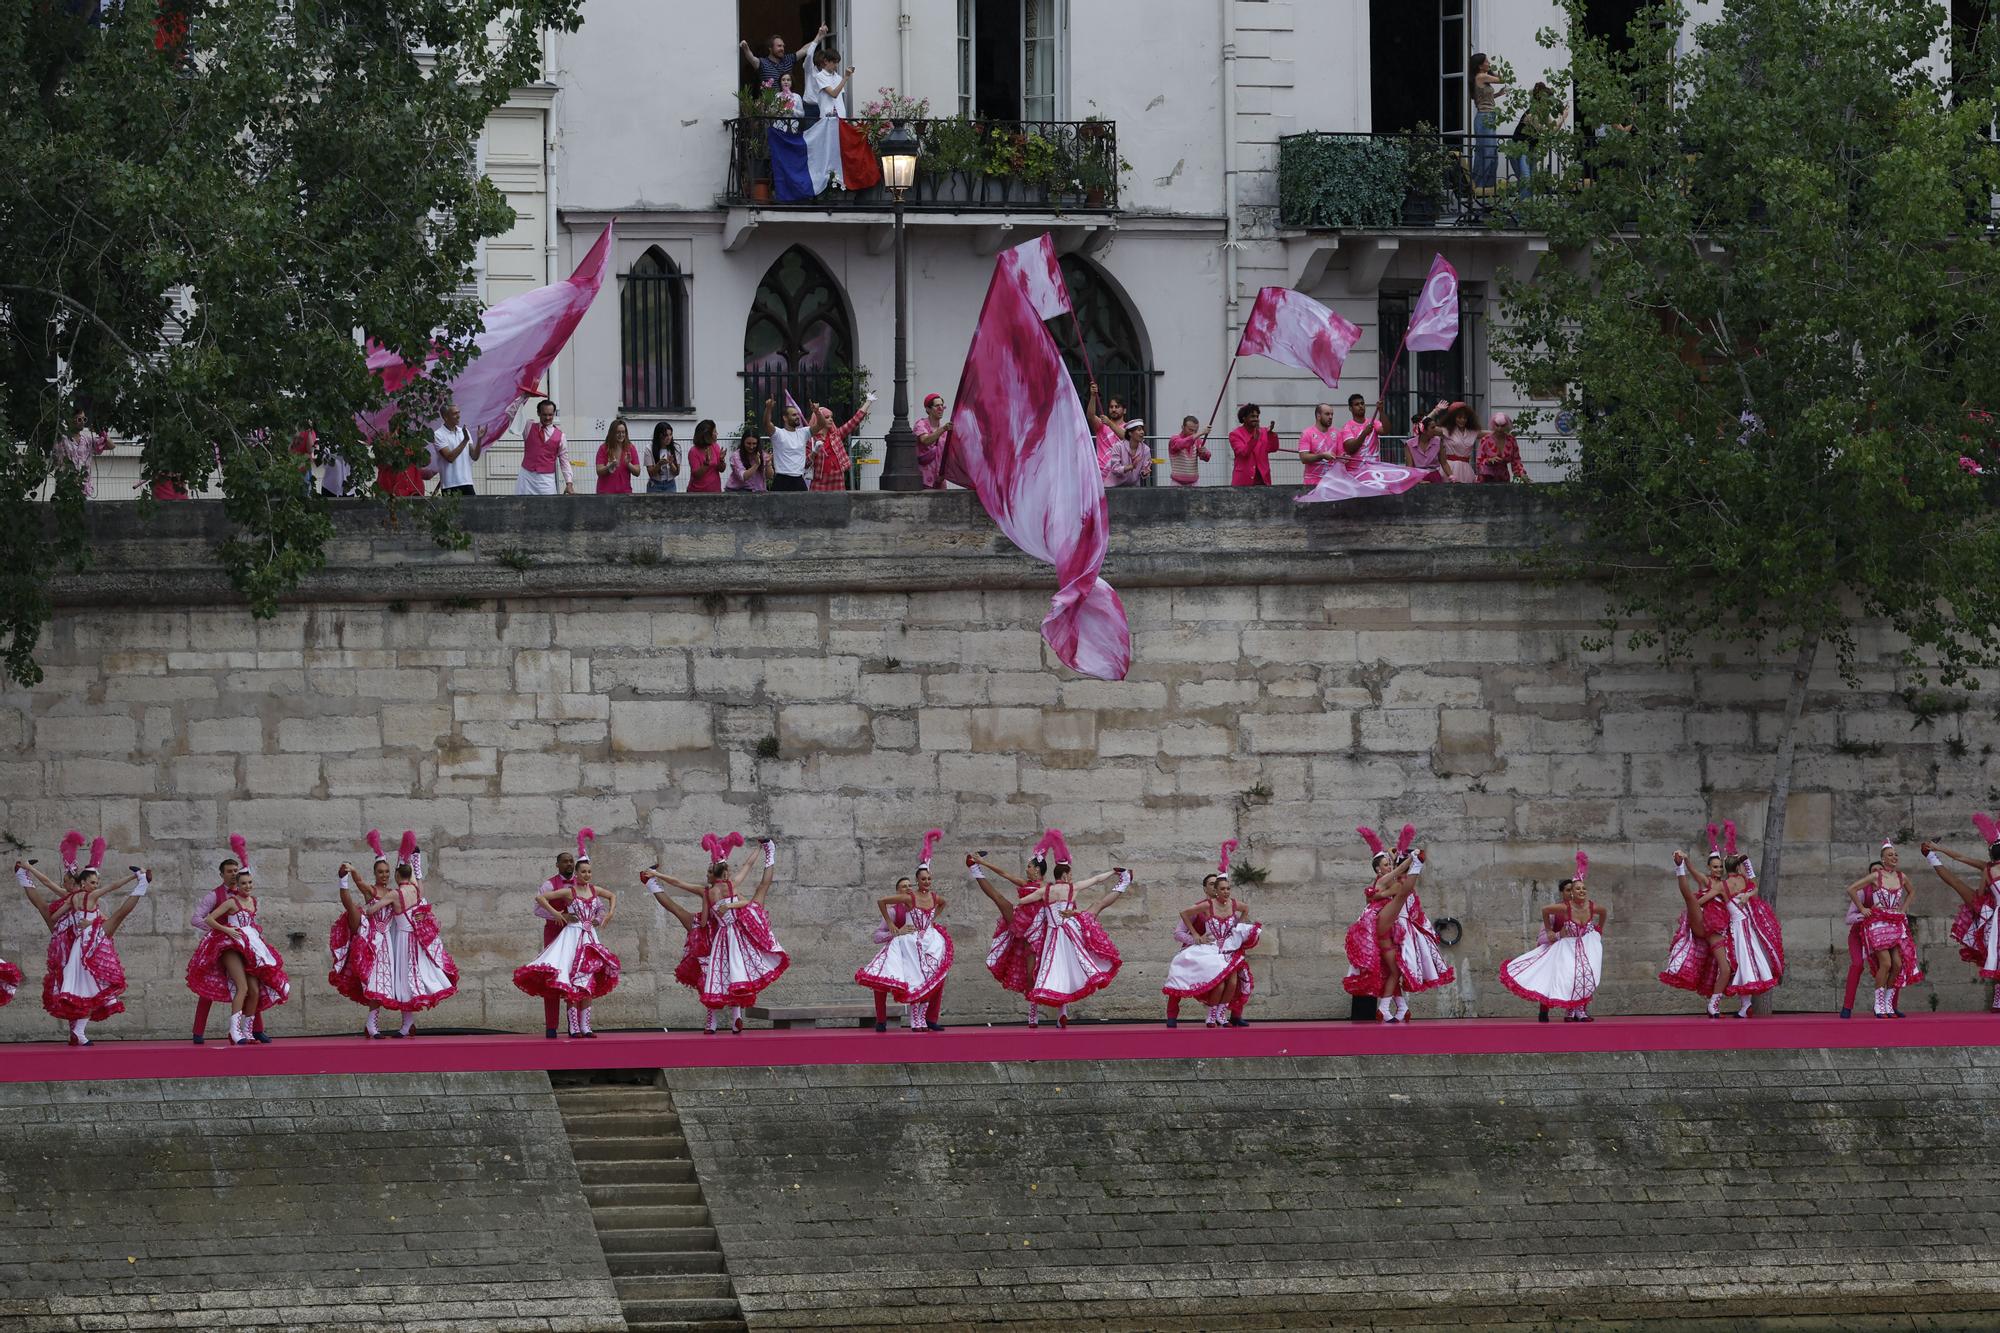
<point>1253,446</point>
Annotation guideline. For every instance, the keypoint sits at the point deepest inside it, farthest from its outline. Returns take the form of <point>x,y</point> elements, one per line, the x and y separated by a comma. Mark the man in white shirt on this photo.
<point>453,451</point>
<point>788,448</point>
<point>828,85</point>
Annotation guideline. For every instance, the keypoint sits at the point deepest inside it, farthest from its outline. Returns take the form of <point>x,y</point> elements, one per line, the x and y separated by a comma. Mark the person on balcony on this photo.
<point>545,465</point>
<point>749,465</point>
<point>1316,447</point>
<point>663,473</point>
<point>827,86</point>
<point>1131,458</point>
<point>1485,121</point>
<point>788,447</point>
<point>1253,443</point>
<point>933,432</point>
<point>777,62</point>
<point>617,460</point>
<point>830,458</point>
<point>1186,452</point>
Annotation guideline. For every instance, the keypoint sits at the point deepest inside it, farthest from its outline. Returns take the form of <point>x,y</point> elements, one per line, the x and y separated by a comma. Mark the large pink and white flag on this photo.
<point>1019,439</point>
<point>1434,323</point>
<point>518,341</point>
<point>1292,329</point>
<point>1358,482</point>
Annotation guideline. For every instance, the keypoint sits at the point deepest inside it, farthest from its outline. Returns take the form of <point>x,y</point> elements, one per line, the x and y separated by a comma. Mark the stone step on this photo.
<point>647,1240</point>
<point>678,1314</point>
<point>619,1124</point>
<point>673,1287</point>
<point>654,1171</point>
<point>644,1148</point>
<point>646,1217</point>
<point>626,1194</point>
<point>612,1097</point>
<point>659,1263</point>
<point>684,1326</point>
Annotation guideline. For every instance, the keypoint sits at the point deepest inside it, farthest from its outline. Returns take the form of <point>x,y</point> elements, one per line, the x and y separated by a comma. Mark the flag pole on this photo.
<point>1205,430</point>
<point>1383,396</point>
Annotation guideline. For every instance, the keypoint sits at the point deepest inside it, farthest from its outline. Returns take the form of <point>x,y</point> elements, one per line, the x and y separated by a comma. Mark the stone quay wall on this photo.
<point>1816,1190</point>
<point>407,1203</point>
<point>845,672</point>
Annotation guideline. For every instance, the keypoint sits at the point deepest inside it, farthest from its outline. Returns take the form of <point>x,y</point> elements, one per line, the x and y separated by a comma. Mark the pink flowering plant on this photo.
<point>888,107</point>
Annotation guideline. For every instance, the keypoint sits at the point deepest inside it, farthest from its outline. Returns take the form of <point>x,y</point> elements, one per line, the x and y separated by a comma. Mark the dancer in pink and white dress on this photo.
<point>744,955</point>
<point>1375,941</point>
<point>1563,972</point>
<point>411,971</point>
<point>1214,967</point>
<point>1756,939</point>
<point>916,951</point>
<point>1016,948</point>
<point>1976,928</point>
<point>356,934</point>
<point>1422,960</point>
<point>85,980</point>
<point>239,856</point>
<point>695,925</point>
<point>1885,932</point>
<point>234,962</point>
<point>1077,958</point>
<point>1701,957</point>
<point>575,967</point>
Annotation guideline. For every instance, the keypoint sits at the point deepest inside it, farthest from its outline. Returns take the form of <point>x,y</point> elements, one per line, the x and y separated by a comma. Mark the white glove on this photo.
<point>869,399</point>
<point>1416,865</point>
<point>1749,871</point>
<point>1680,870</point>
<point>977,872</point>
<point>417,863</point>
<point>21,878</point>
<point>1124,881</point>
<point>140,885</point>
<point>1934,859</point>
<point>770,852</point>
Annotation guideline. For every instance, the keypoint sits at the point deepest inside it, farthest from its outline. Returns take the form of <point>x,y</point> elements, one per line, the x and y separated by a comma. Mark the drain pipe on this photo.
<point>1230,238</point>
<point>551,167</point>
<point>903,47</point>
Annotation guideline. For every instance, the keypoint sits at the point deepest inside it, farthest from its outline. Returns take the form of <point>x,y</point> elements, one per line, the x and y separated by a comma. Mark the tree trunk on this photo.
<point>1773,850</point>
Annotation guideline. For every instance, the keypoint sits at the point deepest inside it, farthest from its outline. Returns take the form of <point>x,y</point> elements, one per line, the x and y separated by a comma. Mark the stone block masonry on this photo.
<point>1819,1190</point>
<point>384,1204</point>
<point>847,671</point>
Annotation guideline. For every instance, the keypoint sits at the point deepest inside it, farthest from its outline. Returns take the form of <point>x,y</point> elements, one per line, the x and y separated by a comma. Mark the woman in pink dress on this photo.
<point>234,962</point>
<point>575,968</point>
<point>695,925</point>
<point>1077,958</point>
<point>744,955</point>
<point>1457,431</point>
<point>916,950</point>
<point>1214,964</point>
<point>1701,956</point>
<point>933,433</point>
<point>85,980</point>
<point>411,970</point>
<point>1562,971</point>
<point>1885,931</point>
<point>356,933</point>
<point>1976,928</point>
<point>1756,938</point>
<point>1376,940</point>
<point>1016,948</point>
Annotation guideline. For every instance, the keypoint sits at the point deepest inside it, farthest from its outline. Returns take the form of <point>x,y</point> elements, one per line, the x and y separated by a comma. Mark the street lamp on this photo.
<point>900,471</point>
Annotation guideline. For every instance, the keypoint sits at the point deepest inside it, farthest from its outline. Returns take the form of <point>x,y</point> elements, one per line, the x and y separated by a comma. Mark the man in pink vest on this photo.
<point>552,926</point>
<point>545,466</point>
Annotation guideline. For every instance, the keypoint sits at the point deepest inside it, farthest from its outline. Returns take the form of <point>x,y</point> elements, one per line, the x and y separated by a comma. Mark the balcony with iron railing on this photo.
<point>1405,179</point>
<point>963,166</point>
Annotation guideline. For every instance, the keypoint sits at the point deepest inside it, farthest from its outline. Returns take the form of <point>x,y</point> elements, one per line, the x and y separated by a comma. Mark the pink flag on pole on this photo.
<point>1019,439</point>
<point>1434,323</point>
<point>518,342</point>
<point>1292,329</point>
<point>1358,483</point>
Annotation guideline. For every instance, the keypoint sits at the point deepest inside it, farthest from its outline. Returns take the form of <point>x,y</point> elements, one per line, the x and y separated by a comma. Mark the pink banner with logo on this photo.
<point>1358,482</point>
<point>1019,439</point>
<point>1292,329</point>
<point>1434,323</point>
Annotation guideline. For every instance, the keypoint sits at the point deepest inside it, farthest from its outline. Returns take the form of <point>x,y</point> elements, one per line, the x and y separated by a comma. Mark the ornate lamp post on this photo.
<point>899,171</point>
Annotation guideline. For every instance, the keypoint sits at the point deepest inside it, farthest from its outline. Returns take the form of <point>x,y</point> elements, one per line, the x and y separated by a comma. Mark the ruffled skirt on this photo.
<point>1561,974</point>
<point>1891,930</point>
<point>207,977</point>
<point>694,956</point>
<point>353,956</point>
<point>1977,933</point>
<point>743,957</point>
<point>10,980</point>
<point>1077,959</point>
<point>1758,946</point>
<point>910,968</point>
<point>1204,965</point>
<point>411,970</point>
<point>574,967</point>
<point>1691,964</point>
<point>1422,957</point>
<point>1015,952</point>
<point>1367,970</point>
<point>85,977</point>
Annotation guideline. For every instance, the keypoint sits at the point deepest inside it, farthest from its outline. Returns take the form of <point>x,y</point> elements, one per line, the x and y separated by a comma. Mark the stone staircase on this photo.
<point>651,1219</point>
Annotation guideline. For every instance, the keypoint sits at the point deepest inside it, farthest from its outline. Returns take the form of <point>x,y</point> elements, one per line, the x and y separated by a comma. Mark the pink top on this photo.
<point>1313,440</point>
<point>80,452</point>
<point>1127,464</point>
<point>1185,455</point>
<point>1370,451</point>
<point>618,481</point>
<point>1253,456</point>
<point>540,448</point>
<point>1424,454</point>
<point>1107,439</point>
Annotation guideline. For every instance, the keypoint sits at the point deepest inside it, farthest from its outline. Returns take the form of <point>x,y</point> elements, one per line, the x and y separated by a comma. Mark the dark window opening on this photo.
<point>653,331</point>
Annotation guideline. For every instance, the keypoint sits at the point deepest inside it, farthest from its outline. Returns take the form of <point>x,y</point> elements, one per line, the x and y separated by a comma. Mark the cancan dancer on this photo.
<point>552,925</point>
<point>1858,960</point>
<point>916,950</point>
<point>1756,939</point>
<point>1700,957</point>
<point>1375,941</point>
<point>1077,958</point>
<point>1015,951</point>
<point>85,979</point>
<point>1563,971</point>
<point>197,921</point>
<point>412,971</point>
<point>1423,965</point>
<point>1976,928</point>
<point>744,955</point>
<point>356,934</point>
<point>1885,931</point>
<point>695,925</point>
<point>234,962</point>
<point>1214,967</point>
<point>575,967</point>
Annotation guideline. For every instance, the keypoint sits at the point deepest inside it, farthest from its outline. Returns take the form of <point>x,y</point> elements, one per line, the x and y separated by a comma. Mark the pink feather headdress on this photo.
<point>931,840</point>
<point>1582,866</point>
<point>1888,844</point>
<point>1054,843</point>
<point>1222,863</point>
<point>1369,836</point>
<point>97,846</point>
<point>409,845</point>
<point>583,837</point>
<point>1405,838</point>
<point>1989,828</point>
<point>719,847</point>
<point>72,843</point>
<point>375,844</point>
<point>1714,841</point>
<point>1729,837</point>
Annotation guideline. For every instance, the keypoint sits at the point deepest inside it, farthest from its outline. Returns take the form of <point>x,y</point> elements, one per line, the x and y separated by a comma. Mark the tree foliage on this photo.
<point>205,203</point>
<point>1787,331</point>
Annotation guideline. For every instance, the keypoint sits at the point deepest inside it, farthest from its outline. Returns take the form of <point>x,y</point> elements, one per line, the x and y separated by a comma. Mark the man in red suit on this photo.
<point>1253,445</point>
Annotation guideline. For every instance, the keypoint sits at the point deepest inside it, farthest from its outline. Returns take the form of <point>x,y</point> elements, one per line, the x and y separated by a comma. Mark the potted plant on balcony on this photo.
<point>1426,170</point>
<point>757,111</point>
<point>1098,174</point>
<point>1000,161</point>
<point>951,154</point>
<point>1041,168</point>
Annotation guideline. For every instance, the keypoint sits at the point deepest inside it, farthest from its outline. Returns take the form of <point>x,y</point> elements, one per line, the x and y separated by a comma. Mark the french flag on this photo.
<point>803,161</point>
